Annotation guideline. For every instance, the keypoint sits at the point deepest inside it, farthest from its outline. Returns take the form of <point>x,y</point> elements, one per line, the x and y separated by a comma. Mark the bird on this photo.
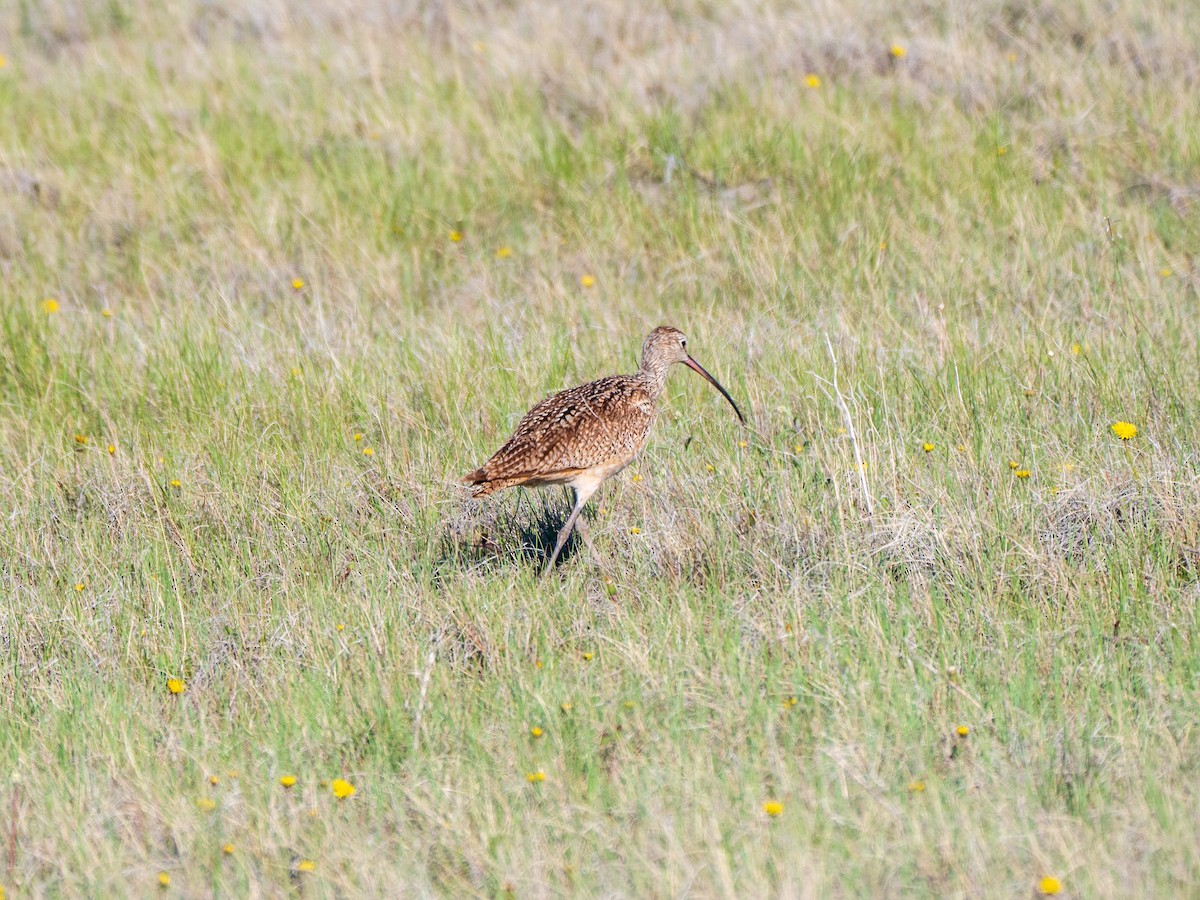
<point>585,435</point>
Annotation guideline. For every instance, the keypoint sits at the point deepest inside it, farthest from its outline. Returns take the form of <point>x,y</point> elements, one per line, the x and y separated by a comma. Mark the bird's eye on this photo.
<point>683,343</point>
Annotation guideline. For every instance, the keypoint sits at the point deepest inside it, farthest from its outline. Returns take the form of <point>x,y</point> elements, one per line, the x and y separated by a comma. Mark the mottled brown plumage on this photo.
<point>584,435</point>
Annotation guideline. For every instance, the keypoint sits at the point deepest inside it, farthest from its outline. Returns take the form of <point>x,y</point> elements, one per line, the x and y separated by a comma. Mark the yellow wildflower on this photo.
<point>927,447</point>
<point>287,780</point>
<point>107,313</point>
<point>636,478</point>
<point>898,52</point>
<point>1076,349</point>
<point>214,780</point>
<point>1050,886</point>
<point>342,788</point>
<point>297,284</point>
<point>3,63</point>
<point>789,702</point>
<point>81,439</point>
<point>79,585</point>
<point>813,81</point>
<point>112,449</point>
<point>50,306</point>
<point>164,880</point>
<point>305,865</point>
<point>1021,473</point>
<point>587,281</point>
<point>176,685</point>
<point>206,804</point>
<point>536,732</point>
<point>358,436</point>
<point>565,707</point>
<point>367,451</point>
<point>710,467</point>
<point>504,253</point>
<point>536,777</point>
<point>1124,430</point>
<point>1013,464</point>
<point>588,655</point>
<point>456,236</point>
<point>799,448</point>
<point>175,482</point>
<point>743,444</point>
<point>1164,272</point>
<point>635,530</point>
<point>227,849</point>
<point>962,730</point>
<point>916,787</point>
<point>773,808</point>
<point>1000,151</point>
<point>340,626</point>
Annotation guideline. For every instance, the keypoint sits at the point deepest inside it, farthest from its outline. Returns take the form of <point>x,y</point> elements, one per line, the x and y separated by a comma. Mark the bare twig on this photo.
<point>858,460</point>
<point>425,676</point>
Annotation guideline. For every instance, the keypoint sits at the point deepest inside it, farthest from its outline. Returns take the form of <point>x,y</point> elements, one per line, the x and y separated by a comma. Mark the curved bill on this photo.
<point>692,364</point>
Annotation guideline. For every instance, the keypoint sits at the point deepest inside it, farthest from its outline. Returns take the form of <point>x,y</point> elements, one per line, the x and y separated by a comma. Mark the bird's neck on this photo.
<point>653,374</point>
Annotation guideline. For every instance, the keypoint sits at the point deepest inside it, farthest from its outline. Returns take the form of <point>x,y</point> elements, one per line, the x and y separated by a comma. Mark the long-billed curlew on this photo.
<point>583,436</point>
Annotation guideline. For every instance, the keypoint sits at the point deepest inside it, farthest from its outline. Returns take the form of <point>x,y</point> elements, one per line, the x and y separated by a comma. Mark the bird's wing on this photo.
<point>577,428</point>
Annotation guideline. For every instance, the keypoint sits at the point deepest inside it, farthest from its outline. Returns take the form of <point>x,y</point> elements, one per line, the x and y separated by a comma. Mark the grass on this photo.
<point>994,236</point>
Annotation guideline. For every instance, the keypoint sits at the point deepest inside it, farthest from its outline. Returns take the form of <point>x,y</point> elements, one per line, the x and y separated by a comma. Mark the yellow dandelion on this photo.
<point>587,281</point>
<point>813,81</point>
<point>962,730</point>
<point>636,478</point>
<point>342,788</point>
<point>1013,464</point>
<point>898,52</point>
<point>340,626</point>
<point>1076,349</point>
<point>798,448</point>
<point>565,707</point>
<point>175,482</point>
<point>227,849</point>
<point>961,448</point>
<point>367,451</point>
<point>164,880</point>
<point>456,236</point>
<point>50,306</point>
<point>107,313</point>
<point>206,804</point>
<point>79,585</point>
<point>1165,272</point>
<point>305,865</point>
<point>536,732</point>
<point>710,467</point>
<point>358,436</point>
<point>297,284</point>
<point>629,704</point>
<point>743,444</point>
<point>1012,57</point>
<point>1124,430</point>
<point>81,439</point>
<point>588,655</point>
<point>789,702</point>
<point>535,777</point>
<point>287,780</point>
<point>112,449</point>
<point>883,245</point>
<point>927,447</point>
<point>1050,886</point>
<point>773,808</point>
<point>635,530</point>
<point>296,373</point>
<point>1021,473</point>
<point>176,685</point>
<point>1000,151</point>
<point>504,253</point>
<point>916,787</point>
<point>214,780</point>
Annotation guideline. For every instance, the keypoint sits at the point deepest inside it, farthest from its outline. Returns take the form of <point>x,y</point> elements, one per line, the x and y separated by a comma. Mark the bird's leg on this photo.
<point>581,497</point>
<point>584,530</point>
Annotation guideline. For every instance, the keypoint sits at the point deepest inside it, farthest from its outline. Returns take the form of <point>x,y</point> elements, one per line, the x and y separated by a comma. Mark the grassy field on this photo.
<point>276,274</point>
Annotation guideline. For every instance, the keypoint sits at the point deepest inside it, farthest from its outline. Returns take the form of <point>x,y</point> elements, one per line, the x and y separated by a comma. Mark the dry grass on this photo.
<point>995,228</point>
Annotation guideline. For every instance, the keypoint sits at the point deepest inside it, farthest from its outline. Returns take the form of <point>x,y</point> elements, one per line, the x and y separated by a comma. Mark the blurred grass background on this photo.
<point>243,243</point>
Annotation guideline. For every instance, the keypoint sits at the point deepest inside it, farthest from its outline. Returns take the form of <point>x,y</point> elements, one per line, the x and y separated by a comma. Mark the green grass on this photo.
<point>994,235</point>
